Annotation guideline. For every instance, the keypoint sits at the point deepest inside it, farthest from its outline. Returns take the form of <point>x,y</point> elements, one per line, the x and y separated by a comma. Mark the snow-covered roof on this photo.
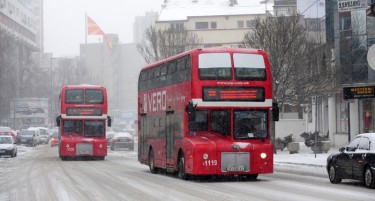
<point>178,10</point>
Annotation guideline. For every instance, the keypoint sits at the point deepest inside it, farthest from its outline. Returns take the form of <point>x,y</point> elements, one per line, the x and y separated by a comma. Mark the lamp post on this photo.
<point>51,94</point>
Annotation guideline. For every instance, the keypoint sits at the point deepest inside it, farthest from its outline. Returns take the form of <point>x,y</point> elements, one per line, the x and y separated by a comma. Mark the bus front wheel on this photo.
<point>181,168</point>
<point>151,162</point>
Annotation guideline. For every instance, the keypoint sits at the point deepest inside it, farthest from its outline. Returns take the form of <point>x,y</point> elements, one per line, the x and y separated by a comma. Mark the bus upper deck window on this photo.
<point>249,66</point>
<point>215,66</point>
<point>94,96</point>
<point>74,96</point>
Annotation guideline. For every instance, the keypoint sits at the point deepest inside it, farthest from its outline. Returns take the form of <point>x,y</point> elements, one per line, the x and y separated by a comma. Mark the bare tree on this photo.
<point>299,64</point>
<point>159,44</point>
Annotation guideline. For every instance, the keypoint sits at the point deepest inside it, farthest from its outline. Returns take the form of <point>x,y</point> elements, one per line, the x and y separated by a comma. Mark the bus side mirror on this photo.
<point>275,112</point>
<point>109,121</point>
<point>190,109</point>
<point>58,118</point>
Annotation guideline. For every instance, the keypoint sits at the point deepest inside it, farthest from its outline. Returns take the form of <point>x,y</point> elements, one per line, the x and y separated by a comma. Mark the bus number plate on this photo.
<point>236,169</point>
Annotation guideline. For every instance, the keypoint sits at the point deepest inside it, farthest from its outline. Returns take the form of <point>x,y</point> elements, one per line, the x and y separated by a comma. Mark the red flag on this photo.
<point>94,29</point>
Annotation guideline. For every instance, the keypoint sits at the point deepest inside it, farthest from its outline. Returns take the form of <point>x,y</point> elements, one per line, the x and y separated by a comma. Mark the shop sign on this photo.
<point>359,92</point>
<point>350,5</point>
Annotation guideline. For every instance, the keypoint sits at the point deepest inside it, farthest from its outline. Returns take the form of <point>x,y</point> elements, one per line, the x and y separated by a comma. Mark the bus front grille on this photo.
<point>84,149</point>
<point>235,162</point>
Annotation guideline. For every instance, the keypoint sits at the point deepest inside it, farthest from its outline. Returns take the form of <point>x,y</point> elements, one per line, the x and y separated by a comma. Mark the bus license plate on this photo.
<point>236,169</point>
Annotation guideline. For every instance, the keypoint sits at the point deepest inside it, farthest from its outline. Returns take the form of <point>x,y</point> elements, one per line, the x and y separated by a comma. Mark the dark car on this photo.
<point>355,161</point>
<point>122,140</point>
<point>28,136</point>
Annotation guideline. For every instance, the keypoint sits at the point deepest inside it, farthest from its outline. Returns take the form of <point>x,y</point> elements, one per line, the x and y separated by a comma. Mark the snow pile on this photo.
<point>305,162</point>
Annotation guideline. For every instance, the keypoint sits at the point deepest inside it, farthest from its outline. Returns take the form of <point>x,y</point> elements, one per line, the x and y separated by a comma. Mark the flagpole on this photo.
<point>85,28</point>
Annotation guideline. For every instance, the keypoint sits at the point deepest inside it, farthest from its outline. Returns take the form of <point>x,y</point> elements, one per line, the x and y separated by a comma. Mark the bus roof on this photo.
<point>83,85</point>
<point>208,50</point>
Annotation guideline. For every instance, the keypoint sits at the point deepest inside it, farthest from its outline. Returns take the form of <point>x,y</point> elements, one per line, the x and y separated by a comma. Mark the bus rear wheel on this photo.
<point>151,162</point>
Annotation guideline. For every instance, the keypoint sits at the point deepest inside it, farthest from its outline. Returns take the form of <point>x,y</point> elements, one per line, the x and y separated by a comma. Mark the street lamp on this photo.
<point>51,94</point>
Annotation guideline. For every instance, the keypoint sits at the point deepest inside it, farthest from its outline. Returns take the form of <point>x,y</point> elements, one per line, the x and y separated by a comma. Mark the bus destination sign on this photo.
<point>233,94</point>
<point>359,92</point>
<point>84,112</point>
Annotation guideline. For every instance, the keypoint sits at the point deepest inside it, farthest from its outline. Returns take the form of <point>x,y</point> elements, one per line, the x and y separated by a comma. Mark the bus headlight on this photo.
<point>100,146</point>
<point>67,145</point>
<point>205,156</point>
<point>263,155</point>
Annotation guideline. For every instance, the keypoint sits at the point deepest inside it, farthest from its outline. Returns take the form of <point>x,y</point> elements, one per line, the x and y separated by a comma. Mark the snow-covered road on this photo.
<point>38,174</point>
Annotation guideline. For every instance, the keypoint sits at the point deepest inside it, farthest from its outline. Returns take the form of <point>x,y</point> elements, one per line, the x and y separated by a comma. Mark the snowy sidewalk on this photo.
<point>305,162</point>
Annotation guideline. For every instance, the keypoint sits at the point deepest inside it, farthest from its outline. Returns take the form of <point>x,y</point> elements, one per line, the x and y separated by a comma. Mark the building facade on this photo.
<point>221,23</point>
<point>141,24</point>
<point>116,68</point>
<point>350,33</point>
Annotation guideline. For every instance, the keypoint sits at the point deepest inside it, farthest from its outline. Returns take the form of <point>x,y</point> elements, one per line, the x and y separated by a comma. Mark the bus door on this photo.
<point>170,133</point>
<point>142,148</point>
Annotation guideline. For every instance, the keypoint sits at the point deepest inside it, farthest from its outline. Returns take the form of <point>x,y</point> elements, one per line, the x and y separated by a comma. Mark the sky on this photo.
<point>64,21</point>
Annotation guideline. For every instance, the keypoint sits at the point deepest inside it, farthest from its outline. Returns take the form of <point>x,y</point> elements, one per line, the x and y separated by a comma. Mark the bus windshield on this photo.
<point>200,123</point>
<point>215,66</point>
<point>73,126</point>
<point>250,124</point>
<point>94,128</point>
<point>220,121</point>
<point>249,66</point>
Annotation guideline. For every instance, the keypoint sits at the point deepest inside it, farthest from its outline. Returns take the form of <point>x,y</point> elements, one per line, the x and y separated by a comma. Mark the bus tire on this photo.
<point>251,177</point>
<point>151,162</point>
<point>181,168</point>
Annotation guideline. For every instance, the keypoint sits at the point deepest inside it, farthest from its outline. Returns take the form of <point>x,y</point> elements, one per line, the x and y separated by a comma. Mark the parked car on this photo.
<point>55,138</point>
<point>7,146</point>
<point>109,135</point>
<point>44,136</point>
<point>28,136</point>
<point>355,161</point>
<point>122,140</point>
<point>10,133</point>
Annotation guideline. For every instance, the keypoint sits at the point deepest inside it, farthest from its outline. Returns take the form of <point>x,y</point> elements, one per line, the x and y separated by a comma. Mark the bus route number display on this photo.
<point>233,94</point>
<point>84,112</point>
<point>359,92</point>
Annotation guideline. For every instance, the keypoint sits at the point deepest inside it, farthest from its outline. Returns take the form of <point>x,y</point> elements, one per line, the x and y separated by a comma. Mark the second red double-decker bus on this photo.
<point>82,122</point>
<point>207,112</point>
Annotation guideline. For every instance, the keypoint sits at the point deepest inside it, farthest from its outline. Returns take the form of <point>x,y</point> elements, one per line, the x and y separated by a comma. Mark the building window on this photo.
<point>345,22</point>
<point>250,23</point>
<point>201,25</point>
<point>177,26</point>
<point>240,24</point>
<point>213,25</point>
<point>341,115</point>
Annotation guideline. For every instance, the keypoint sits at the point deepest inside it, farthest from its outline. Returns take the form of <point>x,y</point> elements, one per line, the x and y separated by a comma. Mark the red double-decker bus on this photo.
<point>82,122</point>
<point>207,112</point>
